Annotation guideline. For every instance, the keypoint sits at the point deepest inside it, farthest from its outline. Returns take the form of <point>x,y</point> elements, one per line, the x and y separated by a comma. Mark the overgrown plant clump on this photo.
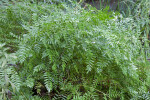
<point>83,54</point>
<point>69,52</point>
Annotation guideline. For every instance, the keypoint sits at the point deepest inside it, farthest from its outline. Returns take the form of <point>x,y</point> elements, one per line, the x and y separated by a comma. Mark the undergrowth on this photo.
<point>69,52</point>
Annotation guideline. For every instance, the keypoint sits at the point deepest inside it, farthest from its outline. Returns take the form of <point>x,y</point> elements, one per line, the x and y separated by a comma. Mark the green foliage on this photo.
<point>8,75</point>
<point>83,54</point>
<point>70,52</point>
<point>13,16</point>
<point>10,26</point>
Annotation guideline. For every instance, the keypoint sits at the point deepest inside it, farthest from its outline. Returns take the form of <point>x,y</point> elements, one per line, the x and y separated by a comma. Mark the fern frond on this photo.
<point>38,68</point>
<point>48,81</point>
<point>15,79</point>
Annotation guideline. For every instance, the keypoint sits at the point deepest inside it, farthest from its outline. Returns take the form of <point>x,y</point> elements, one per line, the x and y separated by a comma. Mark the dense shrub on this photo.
<point>69,52</point>
<point>83,54</point>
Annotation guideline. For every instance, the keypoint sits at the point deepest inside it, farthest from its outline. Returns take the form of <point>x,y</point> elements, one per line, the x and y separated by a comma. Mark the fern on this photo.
<point>38,68</point>
<point>48,81</point>
<point>83,54</point>
<point>8,75</point>
<point>29,82</point>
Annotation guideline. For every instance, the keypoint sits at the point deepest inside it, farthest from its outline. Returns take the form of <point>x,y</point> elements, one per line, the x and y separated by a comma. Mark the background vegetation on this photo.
<point>70,50</point>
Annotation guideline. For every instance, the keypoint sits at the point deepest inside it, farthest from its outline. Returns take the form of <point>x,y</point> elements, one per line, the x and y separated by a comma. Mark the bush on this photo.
<point>83,54</point>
